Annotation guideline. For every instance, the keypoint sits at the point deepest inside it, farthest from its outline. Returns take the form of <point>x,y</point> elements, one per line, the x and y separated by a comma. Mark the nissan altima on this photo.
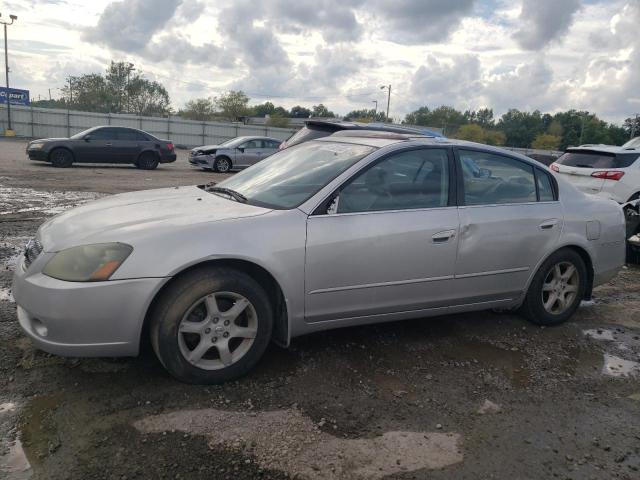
<point>351,229</point>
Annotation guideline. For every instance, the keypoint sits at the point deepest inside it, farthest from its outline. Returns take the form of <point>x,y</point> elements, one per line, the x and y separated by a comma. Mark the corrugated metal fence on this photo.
<point>50,123</point>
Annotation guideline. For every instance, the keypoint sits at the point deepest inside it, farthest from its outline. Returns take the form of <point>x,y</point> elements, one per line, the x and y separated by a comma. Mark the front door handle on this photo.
<point>549,224</point>
<point>443,237</point>
<point>108,144</point>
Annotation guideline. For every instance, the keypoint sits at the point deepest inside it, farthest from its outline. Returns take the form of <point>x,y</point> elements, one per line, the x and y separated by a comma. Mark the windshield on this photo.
<point>232,142</point>
<point>81,134</point>
<point>292,176</point>
<point>633,143</point>
<point>587,159</point>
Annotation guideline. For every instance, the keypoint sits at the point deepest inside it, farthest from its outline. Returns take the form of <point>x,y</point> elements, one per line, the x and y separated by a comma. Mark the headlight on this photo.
<point>36,146</point>
<point>87,263</point>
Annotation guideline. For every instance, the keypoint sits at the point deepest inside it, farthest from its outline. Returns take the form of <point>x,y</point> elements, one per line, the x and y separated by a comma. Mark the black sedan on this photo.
<point>104,145</point>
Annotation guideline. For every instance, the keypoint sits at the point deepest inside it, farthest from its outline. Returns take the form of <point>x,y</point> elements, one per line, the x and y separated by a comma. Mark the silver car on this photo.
<point>237,153</point>
<point>351,229</point>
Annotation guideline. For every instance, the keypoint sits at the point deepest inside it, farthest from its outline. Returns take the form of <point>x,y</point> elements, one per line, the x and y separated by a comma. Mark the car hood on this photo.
<point>141,217</point>
<point>42,140</point>
<point>209,147</point>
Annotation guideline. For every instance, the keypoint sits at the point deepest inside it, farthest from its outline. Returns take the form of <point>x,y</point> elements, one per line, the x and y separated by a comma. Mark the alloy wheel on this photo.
<point>560,288</point>
<point>217,330</point>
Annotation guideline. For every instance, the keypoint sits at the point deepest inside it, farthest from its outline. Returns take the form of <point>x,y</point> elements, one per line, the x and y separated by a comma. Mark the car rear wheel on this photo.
<point>222,165</point>
<point>557,289</point>
<point>211,326</point>
<point>147,161</point>
<point>61,158</point>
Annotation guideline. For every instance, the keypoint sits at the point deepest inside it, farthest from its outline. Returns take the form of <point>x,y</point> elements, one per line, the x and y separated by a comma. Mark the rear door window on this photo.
<point>128,135</point>
<point>104,134</point>
<point>597,160</point>
<point>491,179</point>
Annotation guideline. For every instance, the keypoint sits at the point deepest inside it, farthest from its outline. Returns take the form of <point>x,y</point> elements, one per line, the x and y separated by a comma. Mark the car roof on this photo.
<point>380,139</point>
<point>603,148</point>
<point>379,126</point>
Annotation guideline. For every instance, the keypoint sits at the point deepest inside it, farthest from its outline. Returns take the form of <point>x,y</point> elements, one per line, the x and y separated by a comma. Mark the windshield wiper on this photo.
<point>227,191</point>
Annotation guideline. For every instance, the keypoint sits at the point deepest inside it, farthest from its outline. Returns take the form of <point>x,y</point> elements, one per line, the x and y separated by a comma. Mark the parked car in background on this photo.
<point>104,145</point>
<point>237,153</point>
<point>347,230</point>
<point>605,170</point>
<point>318,128</point>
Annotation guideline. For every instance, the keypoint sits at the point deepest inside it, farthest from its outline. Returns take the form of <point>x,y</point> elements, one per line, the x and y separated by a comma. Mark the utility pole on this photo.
<point>70,91</point>
<point>9,131</point>
<point>388,88</point>
<point>375,110</point>
<point>49,94</point>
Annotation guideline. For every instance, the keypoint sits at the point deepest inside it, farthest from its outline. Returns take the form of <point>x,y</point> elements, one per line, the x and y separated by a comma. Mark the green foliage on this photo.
<point>233,105</point>
<point>278,120</point>
<point>300,112</point>
<point>120,90</point>
<point>546,141</point>
<point>495,138</point>
<point>472,132</point>
<point>201,109</point>
<point>263,109</point>
<point>322,112</point>
<point>365,116</point>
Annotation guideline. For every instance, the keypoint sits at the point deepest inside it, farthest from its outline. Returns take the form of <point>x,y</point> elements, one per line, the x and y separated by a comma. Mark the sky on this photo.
<point>549,55</point>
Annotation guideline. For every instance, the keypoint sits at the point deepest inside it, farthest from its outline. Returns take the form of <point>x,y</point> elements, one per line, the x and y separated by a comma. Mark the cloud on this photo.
<point>412,22</point>
<point>453,81</point>
<point>129,25</point>
<point>543,21</point>
<point>190,10</point>
<point>334,19</point>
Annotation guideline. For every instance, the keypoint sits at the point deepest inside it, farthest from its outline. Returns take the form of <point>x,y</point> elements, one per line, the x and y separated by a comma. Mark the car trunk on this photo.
<point>589,170</point>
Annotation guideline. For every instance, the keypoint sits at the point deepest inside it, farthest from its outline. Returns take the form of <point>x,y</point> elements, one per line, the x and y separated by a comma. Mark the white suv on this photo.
<point>605,170</point>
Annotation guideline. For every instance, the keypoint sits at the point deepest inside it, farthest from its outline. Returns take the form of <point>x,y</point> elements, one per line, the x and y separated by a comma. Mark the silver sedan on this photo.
<point>352,229</point>
<point>237,153</point>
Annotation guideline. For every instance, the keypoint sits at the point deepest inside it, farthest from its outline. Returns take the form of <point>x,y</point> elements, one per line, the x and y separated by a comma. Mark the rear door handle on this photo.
<point>108,144</point>
<point>443,237</point>
<point>548,224</point>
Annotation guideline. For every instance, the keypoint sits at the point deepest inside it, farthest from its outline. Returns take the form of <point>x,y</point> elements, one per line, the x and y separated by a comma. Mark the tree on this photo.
<point>300,112</point>
<point>520,128</point>
<point>147,97</point>
<point>278,120</point>
<point>447,118</point>
<point>200,109</point>
<point>632,127</point>
<point>494,137</point>
<point>118,78</point>
<point>546,141</point>
<point>471,132</point>
<point>365,116</point>
<point>233,105</point>
<point>322,111</point>
<point>263,109</point>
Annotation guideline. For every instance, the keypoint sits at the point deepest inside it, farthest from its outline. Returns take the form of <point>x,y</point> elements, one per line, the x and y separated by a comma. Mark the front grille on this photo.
<point>31,251</point>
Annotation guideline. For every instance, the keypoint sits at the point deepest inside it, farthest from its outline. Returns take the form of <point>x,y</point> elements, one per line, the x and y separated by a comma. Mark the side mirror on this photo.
<point>484,173</point>
<point>241,149</point>
<point>86,138</point>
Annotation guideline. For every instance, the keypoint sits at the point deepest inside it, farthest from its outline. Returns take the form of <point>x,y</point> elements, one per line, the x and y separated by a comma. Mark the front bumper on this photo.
<point>78,319</point>
<point>38,154</point>
<point>202,161</point>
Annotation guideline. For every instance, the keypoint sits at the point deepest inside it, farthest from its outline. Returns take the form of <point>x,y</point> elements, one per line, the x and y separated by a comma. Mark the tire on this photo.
<point>147,161</point>
<point>539,306</point>
<point>185,320</point>
<point>222,165</point>
<point>61,158</point>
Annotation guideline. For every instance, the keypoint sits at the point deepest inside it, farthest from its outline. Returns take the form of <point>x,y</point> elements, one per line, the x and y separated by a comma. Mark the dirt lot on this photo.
<point>480,395</point>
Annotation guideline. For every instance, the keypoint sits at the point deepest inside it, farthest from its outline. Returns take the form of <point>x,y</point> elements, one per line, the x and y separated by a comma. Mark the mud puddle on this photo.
<point>27,200</point>
<point>619,367</point>
<point>291,442</point>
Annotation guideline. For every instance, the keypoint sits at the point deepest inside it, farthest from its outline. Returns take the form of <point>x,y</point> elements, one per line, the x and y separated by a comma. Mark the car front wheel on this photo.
<point>61,158</point>
<point>211,325</point>
<point>557,289</point>
<point>222,165</point>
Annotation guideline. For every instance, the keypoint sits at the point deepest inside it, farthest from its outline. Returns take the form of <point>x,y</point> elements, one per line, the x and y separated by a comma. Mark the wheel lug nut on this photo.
<point>225,334</point>
<point>207,330</point>
<point>215,320</point>
<point>226,323</point>
<point>214,339</point>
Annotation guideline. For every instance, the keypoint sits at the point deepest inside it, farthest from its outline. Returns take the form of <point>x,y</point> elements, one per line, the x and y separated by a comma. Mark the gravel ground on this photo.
<point>479,395</point>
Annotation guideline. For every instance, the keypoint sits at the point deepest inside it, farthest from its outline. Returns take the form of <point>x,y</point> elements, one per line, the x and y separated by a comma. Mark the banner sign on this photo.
<point>16,96</point>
